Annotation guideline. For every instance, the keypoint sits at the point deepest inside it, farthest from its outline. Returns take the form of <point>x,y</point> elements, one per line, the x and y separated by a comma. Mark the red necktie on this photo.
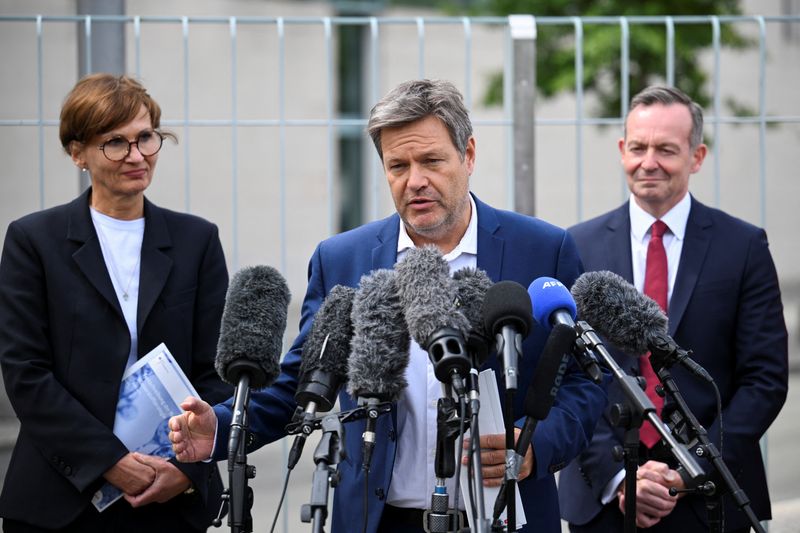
<point>655,286</point>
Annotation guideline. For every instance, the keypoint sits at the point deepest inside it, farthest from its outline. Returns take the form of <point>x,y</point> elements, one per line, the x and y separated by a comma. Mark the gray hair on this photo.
<point>417,99</point>
<point>661,94</point>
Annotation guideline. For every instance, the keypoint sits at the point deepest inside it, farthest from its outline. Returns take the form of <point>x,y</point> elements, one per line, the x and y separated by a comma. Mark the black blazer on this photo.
<point>64,345</point>
<point>726,307</point>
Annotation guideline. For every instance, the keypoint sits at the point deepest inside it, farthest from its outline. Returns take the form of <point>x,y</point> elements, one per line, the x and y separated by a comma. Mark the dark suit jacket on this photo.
<point>510,246</point>
<point>64,345</point>
<point>726,307</point>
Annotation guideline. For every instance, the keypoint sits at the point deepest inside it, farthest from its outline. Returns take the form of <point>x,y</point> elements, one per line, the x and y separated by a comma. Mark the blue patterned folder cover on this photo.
<point>151,391</point>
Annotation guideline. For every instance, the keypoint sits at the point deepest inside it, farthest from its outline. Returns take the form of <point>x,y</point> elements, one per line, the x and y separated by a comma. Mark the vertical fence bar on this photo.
<point>670,23</point>
<point>523,34</point>
<point>234,146</point>
<point>578,23</point>
<point>762,158</point>
<point>186,153</point>
<point>375,82</point>
<point>282,136</point>
<point>467,61</point>
<point>40,105</point>
<point>715,41</point>
<point>762,117</point>
<point>87,32</point>
<point>281,29</point>
<point>329,112</point>
<point>83,177</point>
<point>137,45</point>
<point>421,45</point>
<point>508,112</point>
<point>624,89</point>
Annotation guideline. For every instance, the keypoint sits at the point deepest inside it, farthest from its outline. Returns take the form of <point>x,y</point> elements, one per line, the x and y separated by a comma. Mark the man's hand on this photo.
<point>192,432</point>
<point>130,476</point>
<point>169,482</point>
<point>493,459</point>
<point>653,501</point>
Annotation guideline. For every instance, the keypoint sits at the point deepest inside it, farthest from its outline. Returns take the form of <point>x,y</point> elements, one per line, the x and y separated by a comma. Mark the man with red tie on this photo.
<point>714,277</point>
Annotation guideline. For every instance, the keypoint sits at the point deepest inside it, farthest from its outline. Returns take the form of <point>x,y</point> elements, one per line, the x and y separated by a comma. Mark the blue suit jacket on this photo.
<point>511,247</point>
<point>726,307</point>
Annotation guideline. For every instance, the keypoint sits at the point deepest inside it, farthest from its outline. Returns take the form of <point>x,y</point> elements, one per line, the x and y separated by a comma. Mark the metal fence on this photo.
<point>254,100</point>
<point>420,51</point>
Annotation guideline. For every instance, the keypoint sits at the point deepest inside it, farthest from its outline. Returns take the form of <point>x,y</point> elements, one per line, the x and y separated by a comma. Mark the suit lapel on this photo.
<point>384,255</point>
<point>490,247</point>
<point>617,243</point>
<point>156,265</point>
<point>693,254</point>
<point>89,256</point>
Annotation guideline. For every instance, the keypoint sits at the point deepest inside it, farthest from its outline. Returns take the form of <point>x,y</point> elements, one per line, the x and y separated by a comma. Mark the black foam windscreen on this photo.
<point>252,326</point>
<point>323,364</point>
<point>618,311</point>
<point>428,295</point>
<point>379,348</point>
<point>507,304</point>
<point>472,284</point>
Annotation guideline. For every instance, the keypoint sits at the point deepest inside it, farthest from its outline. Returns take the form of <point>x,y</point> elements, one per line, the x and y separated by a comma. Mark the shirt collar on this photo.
<point>467,245</point>
<point>676,218</point>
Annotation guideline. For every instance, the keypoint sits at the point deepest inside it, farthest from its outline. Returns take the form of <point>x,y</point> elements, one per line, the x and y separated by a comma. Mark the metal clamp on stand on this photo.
<point>640,407</point>
<point>328,454</point>
<point>439,518</point>
<point>705,449</point>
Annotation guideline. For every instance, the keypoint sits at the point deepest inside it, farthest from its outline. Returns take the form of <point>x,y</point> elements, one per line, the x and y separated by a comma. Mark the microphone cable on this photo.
<point>280,502</point>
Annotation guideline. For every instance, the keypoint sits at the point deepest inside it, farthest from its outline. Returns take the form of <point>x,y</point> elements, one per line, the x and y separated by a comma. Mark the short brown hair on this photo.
<point>99,103</point>
<point>664,95</point>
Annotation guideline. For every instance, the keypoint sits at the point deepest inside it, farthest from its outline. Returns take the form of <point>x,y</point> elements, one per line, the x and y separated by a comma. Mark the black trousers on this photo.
<point>611,520</point>
<point>118,518</point>
<point>399,520</point>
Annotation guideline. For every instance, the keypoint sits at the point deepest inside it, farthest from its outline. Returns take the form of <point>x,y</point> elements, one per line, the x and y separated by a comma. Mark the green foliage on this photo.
<point>555,47</point>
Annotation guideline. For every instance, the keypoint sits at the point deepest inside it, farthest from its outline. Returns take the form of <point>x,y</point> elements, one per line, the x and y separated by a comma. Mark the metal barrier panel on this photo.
<point>254,102</point>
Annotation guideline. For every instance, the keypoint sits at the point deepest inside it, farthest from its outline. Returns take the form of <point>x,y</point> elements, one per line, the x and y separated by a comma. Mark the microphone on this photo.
<point>541,395</point>
<point>250,339</point>
<point>631,320</point>
<point>507,315</point>
<point>471,287</point>
<point>379,356</point>
<point>323,364</point>
<point>428,296</point>
<point>553,305</point>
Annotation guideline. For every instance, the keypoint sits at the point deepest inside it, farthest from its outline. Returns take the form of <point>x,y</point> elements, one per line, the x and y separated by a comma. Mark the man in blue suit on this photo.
<point>423,134</point>
<point>723,303</point>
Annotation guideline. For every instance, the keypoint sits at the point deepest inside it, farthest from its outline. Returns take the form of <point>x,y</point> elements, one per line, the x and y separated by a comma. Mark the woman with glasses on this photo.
<point>87,288</point>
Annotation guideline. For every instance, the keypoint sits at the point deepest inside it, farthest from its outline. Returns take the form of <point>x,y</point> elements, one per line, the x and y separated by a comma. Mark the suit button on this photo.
<point>380,494</point>
<point>392,435</point>
<point>68,470</point>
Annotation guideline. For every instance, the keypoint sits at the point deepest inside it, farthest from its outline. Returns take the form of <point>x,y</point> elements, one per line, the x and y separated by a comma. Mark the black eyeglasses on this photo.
<point>118,148</point>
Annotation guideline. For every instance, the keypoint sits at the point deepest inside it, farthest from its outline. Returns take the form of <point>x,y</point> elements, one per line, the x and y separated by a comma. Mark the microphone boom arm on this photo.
<point>639,400</point>
<point>708,448</point>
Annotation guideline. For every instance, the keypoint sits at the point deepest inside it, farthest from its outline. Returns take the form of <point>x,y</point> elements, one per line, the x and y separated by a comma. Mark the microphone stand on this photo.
<point>439,519</point>
<point>628,417</point>
<point>479,512</point>
<point>328,454</point>
<point>509,342</point>
<point>640,407</point>
<point>707,449</point>
<point>239,494</point>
